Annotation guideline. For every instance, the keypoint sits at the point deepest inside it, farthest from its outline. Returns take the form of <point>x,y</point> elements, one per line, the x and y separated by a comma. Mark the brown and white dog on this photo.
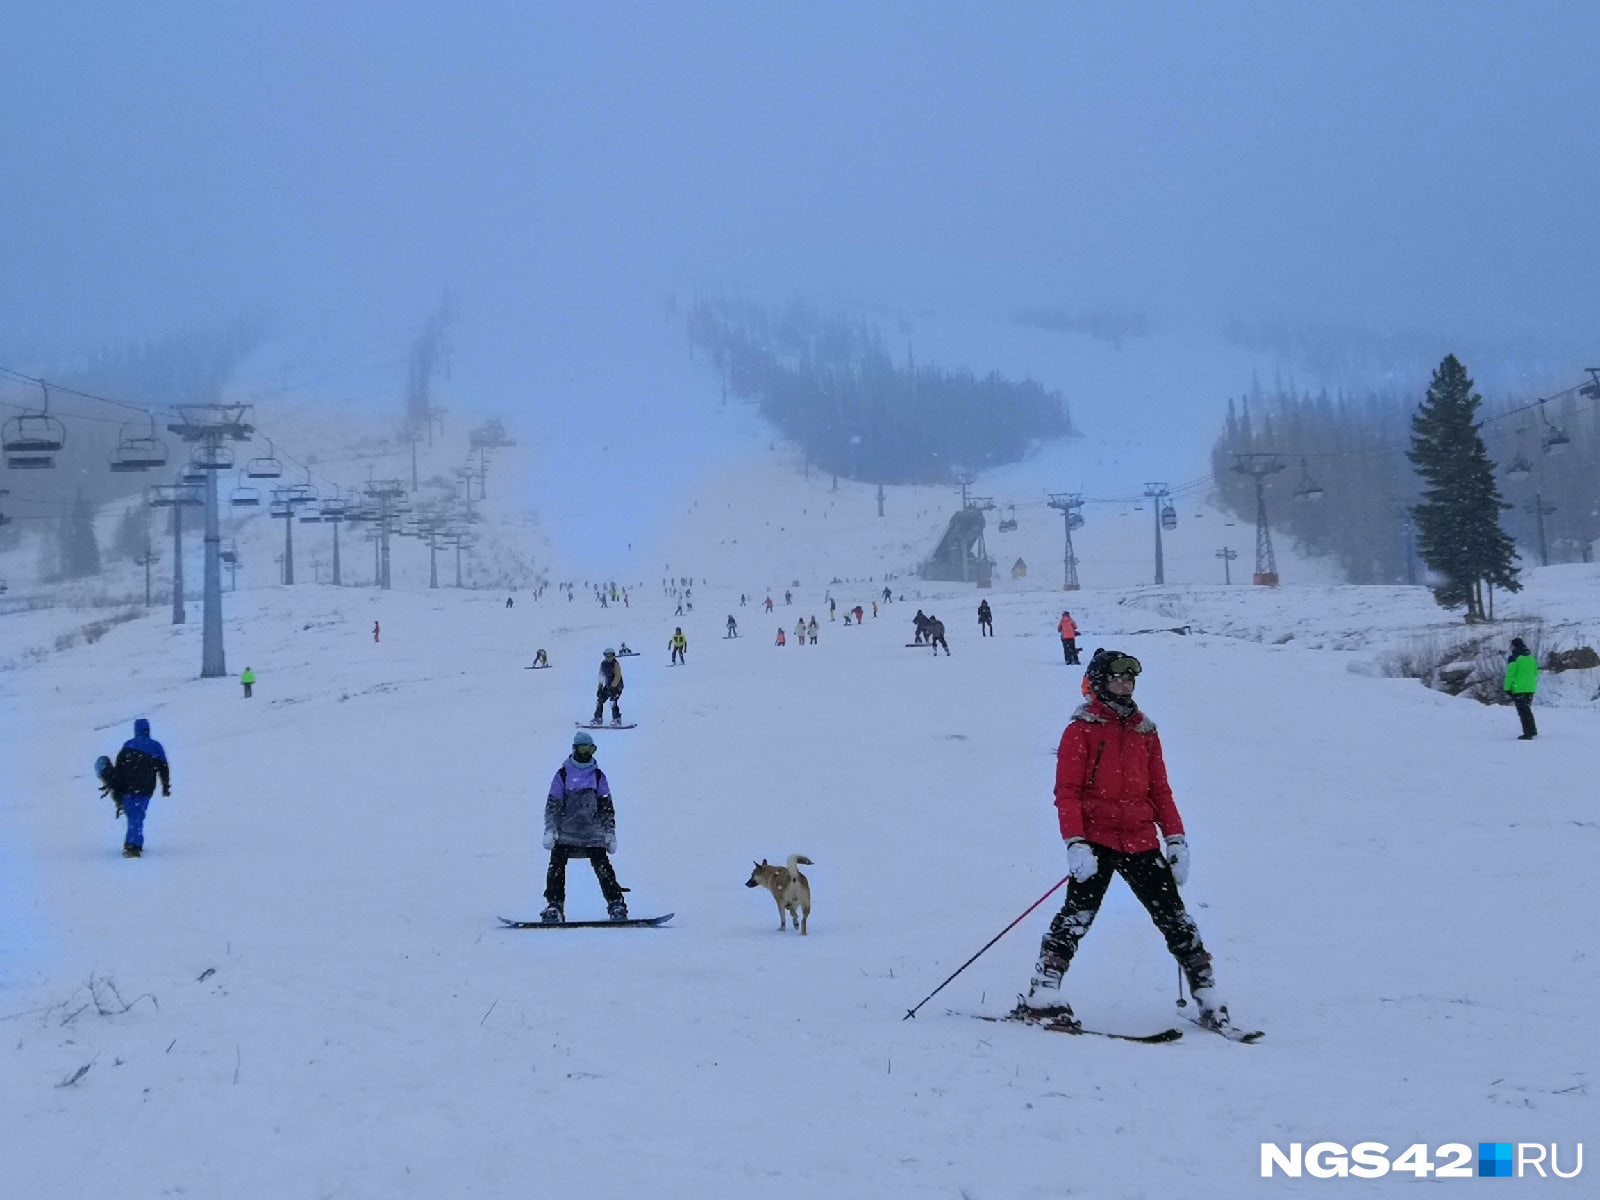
<point>790,889</point>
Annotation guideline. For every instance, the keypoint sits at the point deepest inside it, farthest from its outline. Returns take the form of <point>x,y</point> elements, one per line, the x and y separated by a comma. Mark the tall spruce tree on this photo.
<point>1458,521</point>
<point>79,551</point>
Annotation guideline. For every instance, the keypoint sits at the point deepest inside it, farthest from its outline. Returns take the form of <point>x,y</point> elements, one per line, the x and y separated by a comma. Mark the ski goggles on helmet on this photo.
<point>1123,664</point>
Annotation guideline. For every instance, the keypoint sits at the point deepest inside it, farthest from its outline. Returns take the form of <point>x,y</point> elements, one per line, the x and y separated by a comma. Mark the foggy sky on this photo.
<point>163,165</point>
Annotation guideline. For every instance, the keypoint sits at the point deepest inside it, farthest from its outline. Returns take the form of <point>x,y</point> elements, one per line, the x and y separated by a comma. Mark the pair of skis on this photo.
<point>1165,1035</point>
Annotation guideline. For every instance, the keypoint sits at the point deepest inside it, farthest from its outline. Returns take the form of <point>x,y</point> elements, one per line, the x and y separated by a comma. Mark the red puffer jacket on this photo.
<point>1111,781</point>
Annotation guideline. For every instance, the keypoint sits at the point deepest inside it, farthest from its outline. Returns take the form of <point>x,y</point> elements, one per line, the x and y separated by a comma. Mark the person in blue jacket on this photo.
<point>141,763</point>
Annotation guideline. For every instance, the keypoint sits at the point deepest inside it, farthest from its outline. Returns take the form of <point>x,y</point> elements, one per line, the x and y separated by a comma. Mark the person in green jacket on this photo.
<point>1522,680</point>
<point>249,681</point>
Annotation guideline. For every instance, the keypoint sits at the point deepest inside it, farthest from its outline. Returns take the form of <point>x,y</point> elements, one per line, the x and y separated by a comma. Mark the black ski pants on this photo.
<point>555,880</point>
<point>1524,703</point>
<point>1150,879</point>
<point>985,628</point>
<point>936,642</point>
<point>1069,649</point>
<point>601,696</point>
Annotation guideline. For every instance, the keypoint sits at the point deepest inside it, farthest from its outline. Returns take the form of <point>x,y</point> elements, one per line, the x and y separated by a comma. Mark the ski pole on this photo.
<point>913,1011</point>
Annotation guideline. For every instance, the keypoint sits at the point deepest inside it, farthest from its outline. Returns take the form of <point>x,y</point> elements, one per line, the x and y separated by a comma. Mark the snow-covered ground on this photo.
<point>302,990</point>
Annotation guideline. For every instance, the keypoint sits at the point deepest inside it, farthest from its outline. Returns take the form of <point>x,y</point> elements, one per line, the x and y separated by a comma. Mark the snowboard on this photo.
<point>546,667</point>
<point>627,654</point>
<point>603,725</point>
<point>630,923</point>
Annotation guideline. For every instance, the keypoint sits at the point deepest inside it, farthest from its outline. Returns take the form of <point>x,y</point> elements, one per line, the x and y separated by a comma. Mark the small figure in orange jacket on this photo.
<point>1116,810</point>
<point>1068,628</point>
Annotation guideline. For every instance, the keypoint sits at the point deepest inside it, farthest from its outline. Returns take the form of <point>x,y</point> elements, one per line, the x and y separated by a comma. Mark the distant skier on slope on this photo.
<point>1115,807</point>
<point>919,624</point>
<point>679,645</point>
<point>610,688</point>
<point>1068,629</point>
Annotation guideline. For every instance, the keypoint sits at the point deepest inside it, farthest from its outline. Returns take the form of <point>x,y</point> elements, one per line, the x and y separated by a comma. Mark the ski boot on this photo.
<point>552,914</point>
<point>1044,1004</point>
<point>132,851</point>
<point>1213,1012</point>
<point>617,910</point>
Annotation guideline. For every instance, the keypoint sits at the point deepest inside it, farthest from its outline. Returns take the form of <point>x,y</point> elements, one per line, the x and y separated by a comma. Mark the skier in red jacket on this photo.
<point>1116,810</point>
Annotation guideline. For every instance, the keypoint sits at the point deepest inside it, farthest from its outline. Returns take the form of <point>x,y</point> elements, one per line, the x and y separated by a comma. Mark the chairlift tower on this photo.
<point>147,560</point>
<point>1071,506</point>
<point>282,509</point>
<point>1259,466</point>
<point>1166,516</point>
<point>176,496</point>
<point>1227,554</point>
<point>208,427</point>
<point>1540,511</point>
<point>387,493</point>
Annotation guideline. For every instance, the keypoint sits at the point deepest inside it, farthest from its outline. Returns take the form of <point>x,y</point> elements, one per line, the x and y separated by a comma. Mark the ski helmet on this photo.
<point>1106,663</point>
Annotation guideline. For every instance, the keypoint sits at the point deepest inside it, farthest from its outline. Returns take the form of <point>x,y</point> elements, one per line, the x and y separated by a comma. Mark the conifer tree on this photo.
<point>1458,521</point>
<point>79,551</point>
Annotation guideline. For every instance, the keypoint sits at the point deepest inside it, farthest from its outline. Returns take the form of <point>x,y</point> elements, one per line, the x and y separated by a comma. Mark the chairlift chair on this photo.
<point>31,440</point>
<point>264,466</point>
<point>1519,468</point>
<point>139,451</point>
<point>1169,517</point>
<point>212,458</point>
<point>244,496</point>
<point>1309,488</point>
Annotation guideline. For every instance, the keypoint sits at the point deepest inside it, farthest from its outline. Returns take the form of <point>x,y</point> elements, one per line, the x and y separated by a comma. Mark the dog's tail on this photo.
<point>795,859</point>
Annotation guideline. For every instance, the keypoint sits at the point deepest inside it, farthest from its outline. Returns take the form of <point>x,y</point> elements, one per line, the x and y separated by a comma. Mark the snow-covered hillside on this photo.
<point>301,989</point>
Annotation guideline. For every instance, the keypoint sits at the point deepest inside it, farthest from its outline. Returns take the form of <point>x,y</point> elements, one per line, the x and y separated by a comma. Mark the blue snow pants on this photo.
<point>135,808</point>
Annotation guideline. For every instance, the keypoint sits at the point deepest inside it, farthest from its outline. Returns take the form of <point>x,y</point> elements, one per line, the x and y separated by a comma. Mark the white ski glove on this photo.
<point>549,839</point>
<point>1178,858</point>
<point>1081,862</point>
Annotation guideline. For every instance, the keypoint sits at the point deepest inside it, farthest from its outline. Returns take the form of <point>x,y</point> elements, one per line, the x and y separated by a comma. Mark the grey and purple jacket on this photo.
<point>578,811</point>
